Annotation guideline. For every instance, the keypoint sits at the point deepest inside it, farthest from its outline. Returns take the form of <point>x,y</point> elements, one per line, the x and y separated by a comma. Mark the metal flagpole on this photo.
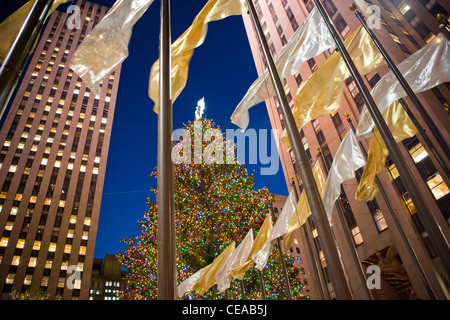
<point>347,233</point>
<point>436,236</point>
<point>444,23</point>
<point>242,289</point>
<point>261,284</point>
<point>282,261</point>
<point>315,202</point>
<point>166,220</point>
<point>406,242</point>
<point>314,263</point>
<point>418,105</point>
<point>15,60</point>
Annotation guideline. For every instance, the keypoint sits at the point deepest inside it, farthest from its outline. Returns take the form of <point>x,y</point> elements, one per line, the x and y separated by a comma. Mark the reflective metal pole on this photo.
<point>282,261</point>
<point>312,193</point>
<point>417,104</point>
<point>314,261</point>
<point>22,47</point>
<point>406,242</point>
<point>348,236</point>
<point>166,216</point>
<point>444,22</point>
<point>437,237</point>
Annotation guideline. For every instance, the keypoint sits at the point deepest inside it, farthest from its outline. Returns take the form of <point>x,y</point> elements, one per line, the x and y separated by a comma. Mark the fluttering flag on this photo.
<point>208,278</point>
<point>189,282</point>
<point>261,238</point>
<point>321,94</point>
<point>310,39</point>
<point>279,229</point>
<point>302,211</point>
<point>183,48</point>
<point>401,128</point>
<point>347,160</point>
<point>10,27</point>
<point>107,45</point>
<point>423,70</point>
<point>427,68</point>
<point>237,258</point>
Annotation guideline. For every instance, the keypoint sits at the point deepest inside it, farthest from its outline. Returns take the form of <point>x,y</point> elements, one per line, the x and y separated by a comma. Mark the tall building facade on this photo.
<point>405,27</point>
<point>54,146</point>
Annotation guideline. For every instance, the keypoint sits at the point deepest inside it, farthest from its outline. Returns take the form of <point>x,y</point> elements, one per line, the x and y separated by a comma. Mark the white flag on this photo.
<point>262,255</point>
<point>279,229</point>
<point>311,39</point>
<point>237,258</point>
<point>423,70</point>
<point>107,45</point>
<point>347,160</point>
<point>188,283</point>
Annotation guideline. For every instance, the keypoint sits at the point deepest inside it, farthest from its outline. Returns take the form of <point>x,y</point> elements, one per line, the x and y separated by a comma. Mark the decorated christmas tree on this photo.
<point>214,205</point>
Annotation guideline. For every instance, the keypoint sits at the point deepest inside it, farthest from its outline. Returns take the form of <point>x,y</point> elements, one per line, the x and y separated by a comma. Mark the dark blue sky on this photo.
<point>221,70</point>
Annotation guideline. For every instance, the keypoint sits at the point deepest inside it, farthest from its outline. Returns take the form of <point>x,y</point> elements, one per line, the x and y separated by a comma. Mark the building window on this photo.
<point>437,186</point>
<point>357,237</point>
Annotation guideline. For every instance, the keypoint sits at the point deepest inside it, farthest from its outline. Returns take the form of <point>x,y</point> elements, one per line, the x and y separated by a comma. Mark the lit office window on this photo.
<point>437,186</point>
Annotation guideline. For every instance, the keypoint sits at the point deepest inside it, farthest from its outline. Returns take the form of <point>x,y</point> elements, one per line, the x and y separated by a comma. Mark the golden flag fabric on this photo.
<point>10,27</point>
<point>321,94</point>
<point>208,278</point>
<point>425,69</point>
<point>401,127</point>
<point>106,46</point>
<point>261,238</point>
<point>302,211</point>
<point>183,48</point>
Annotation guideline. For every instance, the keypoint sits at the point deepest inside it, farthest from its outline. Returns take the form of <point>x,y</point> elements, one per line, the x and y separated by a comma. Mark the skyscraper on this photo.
<point>54,147</point>
<point>405,26</point>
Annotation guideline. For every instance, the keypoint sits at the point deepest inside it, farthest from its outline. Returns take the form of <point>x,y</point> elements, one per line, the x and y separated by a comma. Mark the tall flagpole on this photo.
<point>347,233</point>
<point>418,105</point>
<point>282,261</point>
<point>444,23</point>
<point>406,242</point>
<point>166,216</point>
<point>15,60</point>
<point>262,285</point>
<point>437,237</point>
<point>312,193</point>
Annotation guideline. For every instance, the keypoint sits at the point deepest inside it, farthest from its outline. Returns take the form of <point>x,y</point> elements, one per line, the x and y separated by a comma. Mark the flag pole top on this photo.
<point>318,148</point>
<point>352,7</point>
<point>346,114</point>
<point>440,17</point>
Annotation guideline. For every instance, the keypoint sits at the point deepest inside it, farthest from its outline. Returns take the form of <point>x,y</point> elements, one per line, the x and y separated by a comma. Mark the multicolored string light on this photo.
<point>214,205</point>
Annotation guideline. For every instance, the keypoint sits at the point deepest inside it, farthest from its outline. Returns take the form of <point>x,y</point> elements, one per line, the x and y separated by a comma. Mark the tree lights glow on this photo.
<point>214,205</point>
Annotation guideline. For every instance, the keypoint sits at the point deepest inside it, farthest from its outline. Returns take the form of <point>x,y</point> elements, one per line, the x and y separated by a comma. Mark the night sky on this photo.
<point>221,70</point>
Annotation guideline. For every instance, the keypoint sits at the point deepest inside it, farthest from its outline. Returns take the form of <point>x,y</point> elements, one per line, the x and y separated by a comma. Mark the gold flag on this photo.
<point>261,238</point>
<point>10,27</point>
<point>183,48</point>
<point>401,128</point>
<point>208,278</point>
<point>302,211</point>
<point>321,94</point>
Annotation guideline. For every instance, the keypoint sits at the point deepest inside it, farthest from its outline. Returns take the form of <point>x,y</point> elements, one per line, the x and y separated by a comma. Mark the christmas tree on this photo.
<point>214,205</point>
